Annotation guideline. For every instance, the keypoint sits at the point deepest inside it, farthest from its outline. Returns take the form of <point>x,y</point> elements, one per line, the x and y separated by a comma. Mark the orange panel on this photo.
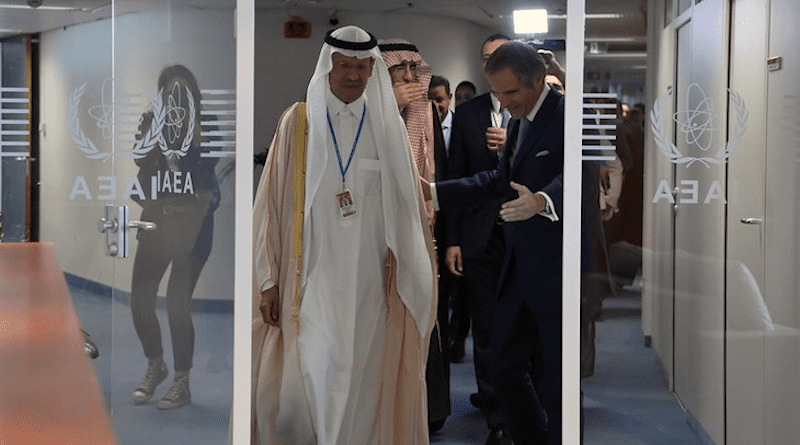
<point>48,390</point>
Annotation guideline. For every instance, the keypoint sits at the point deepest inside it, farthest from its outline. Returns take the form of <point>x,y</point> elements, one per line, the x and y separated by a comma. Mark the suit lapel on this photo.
<point>485,115</point>
<point>536,129</point>
<point>483,119</point>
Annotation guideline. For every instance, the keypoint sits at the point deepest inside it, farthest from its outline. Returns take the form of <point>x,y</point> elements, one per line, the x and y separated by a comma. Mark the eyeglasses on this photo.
<point>404,67</point>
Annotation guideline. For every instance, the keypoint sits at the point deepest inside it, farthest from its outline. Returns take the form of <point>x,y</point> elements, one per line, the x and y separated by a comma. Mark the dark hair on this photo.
<point>494,37</point>
<point>523,60</point>
<point>175,73</point>
<point>467,84</point>
<point>439,81</point>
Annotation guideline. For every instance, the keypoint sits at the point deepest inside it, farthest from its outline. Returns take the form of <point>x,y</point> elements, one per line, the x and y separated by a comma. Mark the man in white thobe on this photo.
<point>344,284</point>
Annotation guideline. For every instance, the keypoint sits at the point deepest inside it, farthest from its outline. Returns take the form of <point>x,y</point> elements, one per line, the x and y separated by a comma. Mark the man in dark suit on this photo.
<point>527,318</point>
<point>474,241</point>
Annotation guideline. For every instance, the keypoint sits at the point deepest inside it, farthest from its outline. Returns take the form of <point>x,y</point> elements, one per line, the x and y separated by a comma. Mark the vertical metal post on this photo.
<point>576,17</point>
<point>243,251</point>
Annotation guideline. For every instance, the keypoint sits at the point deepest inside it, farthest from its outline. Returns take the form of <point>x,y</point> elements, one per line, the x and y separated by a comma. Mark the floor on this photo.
<point>626,402</point>
<point>121,365</point>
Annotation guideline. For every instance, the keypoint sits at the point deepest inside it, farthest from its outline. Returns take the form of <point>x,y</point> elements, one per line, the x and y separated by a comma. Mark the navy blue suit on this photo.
<point>527,317</point>
<point>471,227</point>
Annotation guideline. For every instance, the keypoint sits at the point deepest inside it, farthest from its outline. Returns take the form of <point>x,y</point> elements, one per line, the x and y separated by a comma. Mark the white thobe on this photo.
<point>343,313</point>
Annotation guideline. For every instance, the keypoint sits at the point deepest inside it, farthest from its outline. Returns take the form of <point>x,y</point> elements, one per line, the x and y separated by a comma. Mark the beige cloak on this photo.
<point>281,413</point>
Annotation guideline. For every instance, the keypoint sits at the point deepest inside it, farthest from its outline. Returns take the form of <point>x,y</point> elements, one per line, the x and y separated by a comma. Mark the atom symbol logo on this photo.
<point>176,114</point>
<point>103,114</point>
<point>697,124</point>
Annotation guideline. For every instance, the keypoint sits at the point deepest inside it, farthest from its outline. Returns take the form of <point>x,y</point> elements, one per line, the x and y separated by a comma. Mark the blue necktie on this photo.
<point>506,118</point>
<point>523,128</point>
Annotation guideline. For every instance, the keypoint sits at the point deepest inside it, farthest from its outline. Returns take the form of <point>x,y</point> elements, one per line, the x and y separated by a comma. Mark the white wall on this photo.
<point>283,67</point>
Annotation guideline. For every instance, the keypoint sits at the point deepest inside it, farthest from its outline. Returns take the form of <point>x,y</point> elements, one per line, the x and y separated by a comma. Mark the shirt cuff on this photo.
<point>267,284</point>
<point>434,197</point>
<point>549,211</point>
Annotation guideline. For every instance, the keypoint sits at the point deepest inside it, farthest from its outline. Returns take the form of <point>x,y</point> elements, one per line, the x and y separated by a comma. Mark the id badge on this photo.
<point>347,207</point>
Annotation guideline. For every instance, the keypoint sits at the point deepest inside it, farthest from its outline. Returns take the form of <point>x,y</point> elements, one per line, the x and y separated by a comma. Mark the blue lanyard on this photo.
<point>343,169</point>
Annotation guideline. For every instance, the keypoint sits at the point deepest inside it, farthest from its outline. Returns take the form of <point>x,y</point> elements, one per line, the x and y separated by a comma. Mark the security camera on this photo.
<point>333,19</point>
<point>34,3</point>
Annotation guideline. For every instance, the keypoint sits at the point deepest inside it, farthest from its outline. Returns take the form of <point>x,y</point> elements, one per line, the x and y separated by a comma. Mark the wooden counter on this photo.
<point>48,391</point>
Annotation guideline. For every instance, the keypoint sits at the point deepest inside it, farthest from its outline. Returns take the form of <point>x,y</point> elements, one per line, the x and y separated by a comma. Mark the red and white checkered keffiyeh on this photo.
<point>418,114</point>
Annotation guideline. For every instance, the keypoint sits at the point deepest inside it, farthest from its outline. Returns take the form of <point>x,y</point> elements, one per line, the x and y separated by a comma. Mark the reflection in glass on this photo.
<point>183,212</point>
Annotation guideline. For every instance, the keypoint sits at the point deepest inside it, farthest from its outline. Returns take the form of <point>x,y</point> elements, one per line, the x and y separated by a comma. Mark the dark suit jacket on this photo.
<point>533,246</point>
<point>470,228</point>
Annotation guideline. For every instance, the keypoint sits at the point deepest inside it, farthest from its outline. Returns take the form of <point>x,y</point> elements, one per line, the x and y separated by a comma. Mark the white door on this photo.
<point>746,315</point>
<point>700,121</point>
<point>763,316</point>
<point>782,259</point>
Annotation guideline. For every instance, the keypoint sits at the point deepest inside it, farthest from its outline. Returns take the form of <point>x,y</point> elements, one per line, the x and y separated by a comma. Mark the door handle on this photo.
<point>110,226</point>
<point>117,222</point>
<point>675,192</point>
<point>752,221</point>
<point>142,225</point>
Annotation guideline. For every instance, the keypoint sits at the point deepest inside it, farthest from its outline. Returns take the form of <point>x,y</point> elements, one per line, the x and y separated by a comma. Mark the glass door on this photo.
<point>137,198</point>
<point>15,139</point>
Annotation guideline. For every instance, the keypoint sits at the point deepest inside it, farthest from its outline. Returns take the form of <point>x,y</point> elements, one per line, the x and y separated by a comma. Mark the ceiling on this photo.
<point>615,29</point>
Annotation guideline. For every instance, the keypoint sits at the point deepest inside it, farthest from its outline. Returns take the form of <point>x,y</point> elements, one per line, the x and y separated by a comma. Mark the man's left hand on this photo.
<point>527,205</point>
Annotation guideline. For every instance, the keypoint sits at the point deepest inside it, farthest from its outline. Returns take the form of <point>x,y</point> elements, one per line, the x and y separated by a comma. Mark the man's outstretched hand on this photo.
<point>524,207</point>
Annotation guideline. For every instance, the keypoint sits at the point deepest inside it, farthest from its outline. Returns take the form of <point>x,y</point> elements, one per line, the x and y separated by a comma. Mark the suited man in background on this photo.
<point>528,179</point>
<point>475,246</point>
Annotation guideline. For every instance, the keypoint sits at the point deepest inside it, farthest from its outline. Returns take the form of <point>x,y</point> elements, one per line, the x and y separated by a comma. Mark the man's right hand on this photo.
<point>454,260</point>
<point>495,138</point>
<point>270,306</point>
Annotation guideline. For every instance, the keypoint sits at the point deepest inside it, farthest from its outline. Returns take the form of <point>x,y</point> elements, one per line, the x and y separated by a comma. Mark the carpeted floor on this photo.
<point>626,402</point>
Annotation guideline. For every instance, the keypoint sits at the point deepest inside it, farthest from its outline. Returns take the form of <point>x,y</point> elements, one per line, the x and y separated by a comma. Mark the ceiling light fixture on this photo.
<point>530,21</point>
<point>607,16</point>
<point>39,8</point>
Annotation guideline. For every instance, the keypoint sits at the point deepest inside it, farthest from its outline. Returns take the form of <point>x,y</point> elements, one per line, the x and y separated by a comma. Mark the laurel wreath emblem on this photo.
<point>723,153</point>
<point>140,148</point>
<point>78,136</point>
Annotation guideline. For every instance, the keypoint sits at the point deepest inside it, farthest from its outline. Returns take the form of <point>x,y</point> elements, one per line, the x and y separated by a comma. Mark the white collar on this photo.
<point>539,102</point>
<point>448,121</point>
<point>335,105</point>
<point>495,103</point>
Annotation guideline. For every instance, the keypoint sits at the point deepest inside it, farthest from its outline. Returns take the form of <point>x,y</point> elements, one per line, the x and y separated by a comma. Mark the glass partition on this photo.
<point>139,112</point>
<point>15,145</point>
